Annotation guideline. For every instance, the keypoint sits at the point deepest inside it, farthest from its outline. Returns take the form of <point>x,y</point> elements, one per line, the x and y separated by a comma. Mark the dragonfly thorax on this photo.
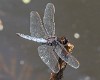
<point>63,40</point>
<point>52,41</point>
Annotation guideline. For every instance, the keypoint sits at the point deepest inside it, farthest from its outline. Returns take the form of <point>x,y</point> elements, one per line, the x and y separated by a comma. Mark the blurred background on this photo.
<point>78,20</point>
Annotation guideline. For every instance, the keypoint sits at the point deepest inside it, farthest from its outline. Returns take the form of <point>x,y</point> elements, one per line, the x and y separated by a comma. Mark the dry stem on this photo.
<point>59,75</point>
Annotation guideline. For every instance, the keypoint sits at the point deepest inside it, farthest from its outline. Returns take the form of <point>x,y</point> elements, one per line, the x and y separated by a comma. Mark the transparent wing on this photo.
<point>47,55</point>
<point>67,57</point>
<point>48,19</point>
<point>36,27</point>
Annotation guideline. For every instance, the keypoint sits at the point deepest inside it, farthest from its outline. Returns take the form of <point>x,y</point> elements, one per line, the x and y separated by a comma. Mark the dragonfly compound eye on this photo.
<point>63,40</point>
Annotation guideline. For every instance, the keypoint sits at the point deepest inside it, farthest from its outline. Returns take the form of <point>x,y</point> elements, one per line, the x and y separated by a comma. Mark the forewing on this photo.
<point>68,58</point>
<point>36,27</point>
<point>47,55</point>
<point>48,19</point>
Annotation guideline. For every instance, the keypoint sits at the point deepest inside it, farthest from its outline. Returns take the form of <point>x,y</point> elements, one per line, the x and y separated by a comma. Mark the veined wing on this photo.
<point>68,58</point>
<point>36,27</point>
<point>48,19</point>
<point>47,55</point>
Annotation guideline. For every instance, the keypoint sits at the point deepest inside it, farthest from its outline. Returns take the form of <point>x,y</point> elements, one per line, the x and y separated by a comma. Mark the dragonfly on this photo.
<point>51,45</point>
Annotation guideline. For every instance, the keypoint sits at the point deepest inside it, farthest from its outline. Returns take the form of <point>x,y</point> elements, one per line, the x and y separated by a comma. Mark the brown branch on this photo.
<point>23,72</point>
<point>13,67</point>
<point>59,75</point>
<point>28,72</point>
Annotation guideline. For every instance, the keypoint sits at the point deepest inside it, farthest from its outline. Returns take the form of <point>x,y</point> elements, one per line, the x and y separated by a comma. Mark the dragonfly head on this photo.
<point>63,40</point>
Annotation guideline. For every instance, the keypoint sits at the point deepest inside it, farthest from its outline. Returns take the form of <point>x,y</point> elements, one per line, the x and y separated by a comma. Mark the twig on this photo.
<point>28,72</point>
<point>23,72</point>
<point>13,67</point>
<point>59,75</point>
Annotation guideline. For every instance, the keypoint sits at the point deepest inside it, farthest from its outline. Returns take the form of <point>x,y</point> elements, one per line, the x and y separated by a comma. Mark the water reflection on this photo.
<point>1,25</point>
<point>77,35</point>
<point>26,1</point>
